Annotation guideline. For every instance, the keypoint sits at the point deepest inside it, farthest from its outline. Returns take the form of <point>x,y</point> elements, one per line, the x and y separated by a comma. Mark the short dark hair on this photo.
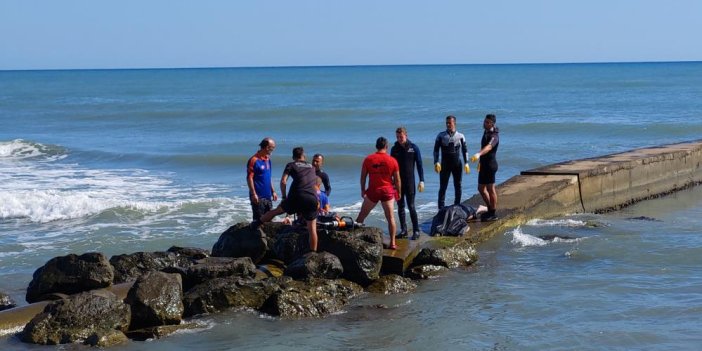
<point>318,155</point>
<point>451,117</point>
<point>381,143</point>
<point>298,152</point>
<point>491,117</point>
<point>401,130</point>
<point>265,142</point>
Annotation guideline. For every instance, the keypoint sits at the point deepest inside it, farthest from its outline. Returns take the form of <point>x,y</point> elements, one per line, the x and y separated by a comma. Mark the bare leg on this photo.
<point>492,194</point>
<point>268,216</point>
<point>366,207</point>
<point>312,230</point>
<point>388,208</point>
<point>482,189</point>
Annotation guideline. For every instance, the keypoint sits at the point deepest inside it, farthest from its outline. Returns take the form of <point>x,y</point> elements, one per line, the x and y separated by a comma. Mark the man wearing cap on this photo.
<point>258,178</point>
<point>488,166</point>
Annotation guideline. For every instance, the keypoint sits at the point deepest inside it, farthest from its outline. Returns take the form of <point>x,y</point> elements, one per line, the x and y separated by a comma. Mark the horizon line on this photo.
<point>345,66</point>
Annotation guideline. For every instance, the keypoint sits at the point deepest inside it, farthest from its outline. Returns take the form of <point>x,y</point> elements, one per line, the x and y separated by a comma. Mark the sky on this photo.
<point>90,34</point>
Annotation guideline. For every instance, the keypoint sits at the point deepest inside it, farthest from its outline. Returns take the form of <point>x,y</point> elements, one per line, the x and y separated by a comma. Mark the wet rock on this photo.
<point>392,284</point>
<point>129,267</point>
<point>94,318</point>
<point>160,331</point>
<point>290,243</point>
<point>194,253</point>
<point>644,218</point>
<point>6,302</point>
<point>224,293</point>
<point>241,241</point>
<point>359,250</point>
<point>217,267</point>
<point>426,271</point>
<point>70,274</point>
<point>156,299</point>
<point>315,265</point>
<point>450,257</point>
<point>314,298</point>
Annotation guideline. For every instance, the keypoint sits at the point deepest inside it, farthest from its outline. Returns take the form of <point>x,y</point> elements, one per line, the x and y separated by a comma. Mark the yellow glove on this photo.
<point>437,167</point>
<point>420,187</point>
<point>475,157</point>
<point>467,168</point>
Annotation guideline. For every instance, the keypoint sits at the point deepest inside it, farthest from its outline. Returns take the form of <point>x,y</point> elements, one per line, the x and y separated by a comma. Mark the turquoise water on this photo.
<point>121,161</point>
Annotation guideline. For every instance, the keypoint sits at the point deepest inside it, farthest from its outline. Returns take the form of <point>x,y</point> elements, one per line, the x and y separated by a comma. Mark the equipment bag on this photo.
<point>451,221</point>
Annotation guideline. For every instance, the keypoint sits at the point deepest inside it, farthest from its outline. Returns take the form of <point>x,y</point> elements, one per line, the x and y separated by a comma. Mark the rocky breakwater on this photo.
<point>103,302</point>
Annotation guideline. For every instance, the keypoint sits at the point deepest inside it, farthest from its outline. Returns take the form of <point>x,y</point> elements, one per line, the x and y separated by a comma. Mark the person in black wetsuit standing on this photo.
<point>488,166</point>
<point>407,155</point>
<point>317,162</point>
<point>452,145</point>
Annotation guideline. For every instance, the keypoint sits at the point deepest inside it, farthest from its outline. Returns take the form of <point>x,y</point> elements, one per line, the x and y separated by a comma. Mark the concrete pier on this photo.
<point>595,185</point>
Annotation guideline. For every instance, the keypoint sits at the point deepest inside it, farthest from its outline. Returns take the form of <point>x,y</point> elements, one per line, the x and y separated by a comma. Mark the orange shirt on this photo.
<point>380,167</point>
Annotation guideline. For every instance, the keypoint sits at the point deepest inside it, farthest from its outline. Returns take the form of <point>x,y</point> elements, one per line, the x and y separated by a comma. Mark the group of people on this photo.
<point>385,178</point>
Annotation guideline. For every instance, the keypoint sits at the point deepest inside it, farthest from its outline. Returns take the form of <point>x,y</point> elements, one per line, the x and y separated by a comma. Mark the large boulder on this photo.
<point>392,284</point>
<point>128,267</point>
<point>194,253</point>
<point>217,267</point>
<point>240,240</point>
<point>290,243</point>
<point>314,298</point>
<point>426,271</point>
<point>156,299</point>
<point>70,274</point>
<point>232,292</point>
<point>94,317</point>
<point>315,265</point>
<point>450,257</point>
<point>359,250</point>
<point>6,302</point>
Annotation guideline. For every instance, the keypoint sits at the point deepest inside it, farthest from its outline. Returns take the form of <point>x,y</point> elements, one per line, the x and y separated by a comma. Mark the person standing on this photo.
<point>318,162</point>
<point>488,166</point>
<point>302,198</point>
<point>384,185</point>
<point>452,145</point>
<point>258,178</point>
<point>407,154</point>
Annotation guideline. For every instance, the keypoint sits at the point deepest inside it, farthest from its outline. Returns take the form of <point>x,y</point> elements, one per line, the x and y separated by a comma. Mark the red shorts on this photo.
<point>385,193</point>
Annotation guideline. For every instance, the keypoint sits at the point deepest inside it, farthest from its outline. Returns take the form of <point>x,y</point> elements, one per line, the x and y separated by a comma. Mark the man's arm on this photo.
<point>325,182</point>
<point>283,185</point>
<point>398,183</point>
<point>464,149</point>
<point>364,175</point>
<point>250,182</point>
<point>437,146</point>
<point>418,160</point>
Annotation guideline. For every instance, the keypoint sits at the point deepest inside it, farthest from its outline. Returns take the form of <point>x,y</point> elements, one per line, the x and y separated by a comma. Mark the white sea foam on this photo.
<point>19,149</point>
<point>537,222</point>
<point>520,238</point>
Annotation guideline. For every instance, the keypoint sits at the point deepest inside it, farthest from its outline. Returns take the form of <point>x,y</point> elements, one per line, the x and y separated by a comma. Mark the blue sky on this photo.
<point>51,34</point>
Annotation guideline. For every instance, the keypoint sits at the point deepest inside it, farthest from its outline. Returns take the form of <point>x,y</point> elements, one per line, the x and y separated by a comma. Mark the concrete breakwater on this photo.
<point>590,185</point>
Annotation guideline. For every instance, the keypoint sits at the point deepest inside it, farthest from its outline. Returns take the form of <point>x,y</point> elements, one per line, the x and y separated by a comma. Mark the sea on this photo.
<point>121,161</point>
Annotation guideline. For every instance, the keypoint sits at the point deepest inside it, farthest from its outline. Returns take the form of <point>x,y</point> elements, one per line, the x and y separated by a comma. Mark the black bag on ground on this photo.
<point>451,220</point>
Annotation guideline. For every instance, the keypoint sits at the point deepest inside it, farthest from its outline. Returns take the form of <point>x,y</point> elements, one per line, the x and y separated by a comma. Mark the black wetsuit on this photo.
<point>452,146</point>
<point>325,181</point>
<point>488,162</point>
<point>407,156</point>
<point>302,197</point>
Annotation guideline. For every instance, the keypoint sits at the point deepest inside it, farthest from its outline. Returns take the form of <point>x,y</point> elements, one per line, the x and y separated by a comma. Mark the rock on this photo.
<point>232,292</point>
<point>315,265</point>
<point>290,243</point>
<point>392,284</point>
<point>159,331</point>
<point>426,271</point>
<point>155,299</point>
<point>129,267</point>
<point>194,253</point>
<point>106,339</point>
<point>314,298</point>
<point>6,302</point>
<point>450,257</point>
<point>241,241</point>
<point>359,250</point>
<point>70,274</point>
<point>93,317</point>
<point>217,267</point>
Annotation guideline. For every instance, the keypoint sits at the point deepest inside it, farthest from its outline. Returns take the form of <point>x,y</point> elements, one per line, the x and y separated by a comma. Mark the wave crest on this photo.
<point>20,149</point>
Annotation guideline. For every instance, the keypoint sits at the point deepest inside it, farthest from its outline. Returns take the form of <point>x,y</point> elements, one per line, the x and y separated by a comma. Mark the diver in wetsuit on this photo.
<point>452,145</point>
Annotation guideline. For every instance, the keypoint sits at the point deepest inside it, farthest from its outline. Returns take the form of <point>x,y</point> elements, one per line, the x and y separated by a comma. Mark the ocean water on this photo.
<point>120,161</point>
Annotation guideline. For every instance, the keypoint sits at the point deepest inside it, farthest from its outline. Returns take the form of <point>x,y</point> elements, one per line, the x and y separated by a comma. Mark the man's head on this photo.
<point>317,161</point>
<point>267,145</point>
<point>451,123</point>
<point>298,154</point>
<point>489,121</point>
<point>401,135</point>
<point>381,143</point>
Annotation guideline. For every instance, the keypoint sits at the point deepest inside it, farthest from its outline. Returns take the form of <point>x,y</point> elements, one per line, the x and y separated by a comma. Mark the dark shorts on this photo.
<point>487,173</point>
<point>264,205</point>
<point>305,205</point>
<point>385,193</point>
